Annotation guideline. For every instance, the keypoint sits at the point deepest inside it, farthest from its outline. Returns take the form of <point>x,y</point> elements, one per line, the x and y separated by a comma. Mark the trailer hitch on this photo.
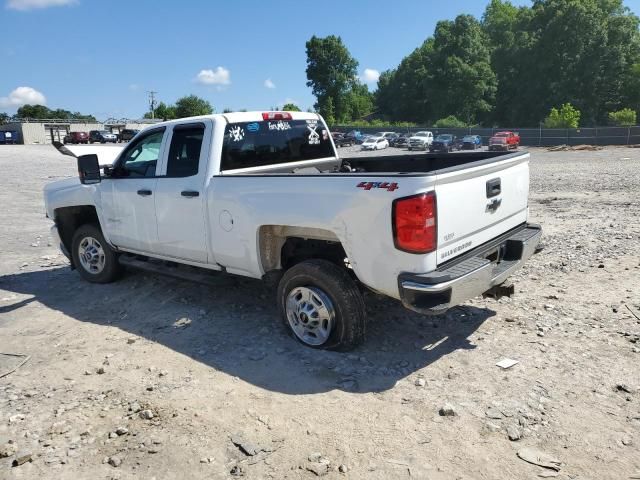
<point>506,289</point>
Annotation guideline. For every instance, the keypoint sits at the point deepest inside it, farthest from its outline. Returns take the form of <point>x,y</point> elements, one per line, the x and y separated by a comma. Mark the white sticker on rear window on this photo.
<point>314,137</point>
<point>279,125</point>
<point>236,133</point>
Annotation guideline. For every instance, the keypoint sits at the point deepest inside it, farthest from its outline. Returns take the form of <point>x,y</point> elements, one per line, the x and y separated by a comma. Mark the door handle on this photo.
<point>144,192</point>
<point>190,193</point>
<point>494,187</point>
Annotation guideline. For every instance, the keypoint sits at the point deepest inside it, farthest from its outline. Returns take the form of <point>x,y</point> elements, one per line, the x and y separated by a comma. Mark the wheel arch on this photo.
<point>68,219</point>
<point>281,246</point>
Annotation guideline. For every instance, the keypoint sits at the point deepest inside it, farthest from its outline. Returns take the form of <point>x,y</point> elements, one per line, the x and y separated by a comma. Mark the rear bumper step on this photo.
<point>478,272</point>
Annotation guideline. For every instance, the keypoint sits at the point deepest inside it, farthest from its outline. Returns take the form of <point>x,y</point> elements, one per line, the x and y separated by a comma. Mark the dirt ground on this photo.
<point>153,377</point>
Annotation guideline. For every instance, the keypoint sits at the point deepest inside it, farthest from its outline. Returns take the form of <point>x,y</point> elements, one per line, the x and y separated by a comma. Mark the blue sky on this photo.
<point>102,57</point>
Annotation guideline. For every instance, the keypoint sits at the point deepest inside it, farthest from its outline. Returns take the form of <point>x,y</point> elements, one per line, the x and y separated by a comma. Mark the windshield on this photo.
<point>255,144</point>
<point>421,134</point>
<point>444,138</point>
<point>502,134</point>
<point>104,132</point>
<point>469,138</point>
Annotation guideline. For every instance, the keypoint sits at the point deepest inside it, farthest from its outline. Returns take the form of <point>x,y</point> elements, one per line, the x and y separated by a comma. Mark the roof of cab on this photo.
<point>236,117</point>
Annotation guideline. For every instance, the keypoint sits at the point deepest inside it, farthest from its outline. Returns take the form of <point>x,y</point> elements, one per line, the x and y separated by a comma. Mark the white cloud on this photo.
<point>370,75</point>
<point>23,96</point>
<point>24,5</point>
<point>219,76</point>
<point>269,84</point>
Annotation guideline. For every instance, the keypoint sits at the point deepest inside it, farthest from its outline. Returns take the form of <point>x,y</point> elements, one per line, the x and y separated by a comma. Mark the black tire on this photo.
<point>348,305</point>
<point>112,268</point>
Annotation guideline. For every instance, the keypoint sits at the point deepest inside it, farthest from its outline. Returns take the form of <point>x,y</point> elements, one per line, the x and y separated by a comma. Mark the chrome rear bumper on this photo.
<point>473,274</point>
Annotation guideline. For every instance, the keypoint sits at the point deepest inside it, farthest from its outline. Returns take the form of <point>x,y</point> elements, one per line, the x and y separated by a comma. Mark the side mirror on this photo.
<point>89,169</point>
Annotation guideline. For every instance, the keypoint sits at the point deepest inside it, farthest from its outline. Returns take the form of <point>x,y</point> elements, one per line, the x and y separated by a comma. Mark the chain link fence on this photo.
<point>530,137</point>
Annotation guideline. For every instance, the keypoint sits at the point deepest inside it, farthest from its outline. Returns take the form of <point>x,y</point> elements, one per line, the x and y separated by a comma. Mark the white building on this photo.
<point>44,131</point>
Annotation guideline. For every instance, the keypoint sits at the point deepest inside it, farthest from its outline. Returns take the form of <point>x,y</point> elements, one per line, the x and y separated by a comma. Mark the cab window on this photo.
<point>184,153</point>
<point>140,158</point>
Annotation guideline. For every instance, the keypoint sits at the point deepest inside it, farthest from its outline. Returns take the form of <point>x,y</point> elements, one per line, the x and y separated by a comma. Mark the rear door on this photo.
<point>180,196</point>
<point>479,203</point>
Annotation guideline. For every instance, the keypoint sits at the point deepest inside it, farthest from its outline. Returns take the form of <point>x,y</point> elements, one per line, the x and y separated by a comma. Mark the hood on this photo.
<point>62,184</point>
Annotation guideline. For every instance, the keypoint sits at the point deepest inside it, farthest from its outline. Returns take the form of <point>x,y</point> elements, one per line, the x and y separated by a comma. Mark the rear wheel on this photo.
<point>94,259</point>
<point>321,306</point>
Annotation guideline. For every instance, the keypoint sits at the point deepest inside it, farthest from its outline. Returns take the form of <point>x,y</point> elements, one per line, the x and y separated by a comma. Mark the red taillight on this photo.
<point>415,225</point>
<point>276,116</point>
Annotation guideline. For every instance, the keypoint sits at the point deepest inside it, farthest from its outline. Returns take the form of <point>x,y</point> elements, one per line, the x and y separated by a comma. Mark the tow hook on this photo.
<point>506,289</point>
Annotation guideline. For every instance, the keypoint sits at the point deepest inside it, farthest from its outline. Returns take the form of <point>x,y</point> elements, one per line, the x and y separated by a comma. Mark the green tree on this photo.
<point>191,106</point>
<point>461,80</point>
<point>331,74</point>
<point>623,118</point>
<point>450,122</point>
<point>290,107</point>
<point>509,40</point>
<point>165,112</point>
<point>631,87</point>
<point>329,115</point>
<point>4,118</point>
<point>580,51</point>
<point>566,116</point>
<point>33,111</point>
<point>360,101</point>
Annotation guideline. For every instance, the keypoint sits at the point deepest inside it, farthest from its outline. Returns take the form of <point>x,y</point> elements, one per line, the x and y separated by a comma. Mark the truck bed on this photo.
<point>426,163</point>
<point>419,164</point>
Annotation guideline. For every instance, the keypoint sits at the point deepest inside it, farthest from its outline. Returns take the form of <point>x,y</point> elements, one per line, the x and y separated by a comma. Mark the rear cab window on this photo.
<point>273,142</point>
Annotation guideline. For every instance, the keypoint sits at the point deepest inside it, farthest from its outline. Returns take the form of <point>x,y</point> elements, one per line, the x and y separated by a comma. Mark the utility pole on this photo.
<point>152,103</point>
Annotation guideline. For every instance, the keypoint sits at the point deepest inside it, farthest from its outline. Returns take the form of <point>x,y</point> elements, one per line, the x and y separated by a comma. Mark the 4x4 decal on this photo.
<point>384,185</point>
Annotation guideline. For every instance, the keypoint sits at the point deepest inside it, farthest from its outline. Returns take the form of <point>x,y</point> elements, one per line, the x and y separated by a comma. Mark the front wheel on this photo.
<point>94,259</point>
<point>321,306</point>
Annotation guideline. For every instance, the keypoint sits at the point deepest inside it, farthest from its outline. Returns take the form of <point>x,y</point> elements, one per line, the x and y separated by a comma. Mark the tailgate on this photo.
<point>478,203</point>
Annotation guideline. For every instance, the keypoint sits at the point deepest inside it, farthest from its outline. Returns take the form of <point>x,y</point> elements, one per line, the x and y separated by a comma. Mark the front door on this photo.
<point>180,196</point>
<point>130,214</point>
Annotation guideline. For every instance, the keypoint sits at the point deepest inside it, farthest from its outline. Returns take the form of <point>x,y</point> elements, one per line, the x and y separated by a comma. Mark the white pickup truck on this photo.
<point>264,195</point>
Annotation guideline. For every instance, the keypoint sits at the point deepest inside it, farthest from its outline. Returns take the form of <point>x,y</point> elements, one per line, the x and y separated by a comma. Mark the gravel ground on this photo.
<point>153,377</point>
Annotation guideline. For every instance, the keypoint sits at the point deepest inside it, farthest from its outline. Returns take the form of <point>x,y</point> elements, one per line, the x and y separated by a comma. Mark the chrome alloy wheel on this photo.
<point>91,255</point>
<point>311,315</point>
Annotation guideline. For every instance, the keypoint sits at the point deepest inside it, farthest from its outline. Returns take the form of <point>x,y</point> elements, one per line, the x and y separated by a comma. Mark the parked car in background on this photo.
<point>420,141</point>
<point>8,137</point>
<point>102,136</point>
<point>375,143</point>
<point>401,141</point>
<point>76,137</point>
<point>471,142</point>
<point>392,138</point>
<point>387,135</point>
<point>504,141</point>
<point>127,134</point>
<point>341,140</point>
<point>355,135</point>
<point>446,143</point>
